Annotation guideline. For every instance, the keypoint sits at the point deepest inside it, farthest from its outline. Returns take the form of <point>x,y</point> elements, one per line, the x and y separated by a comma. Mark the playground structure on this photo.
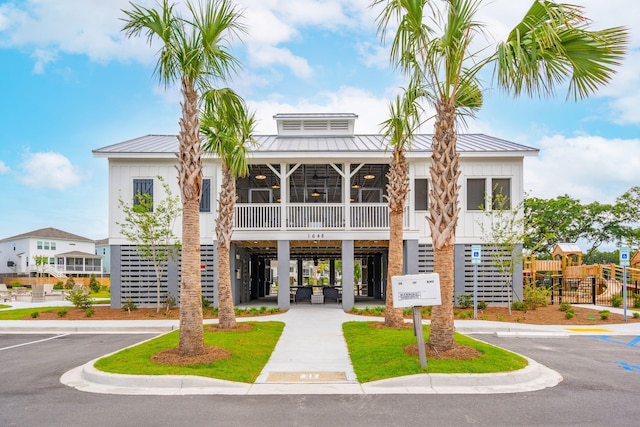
<point>574,282</point>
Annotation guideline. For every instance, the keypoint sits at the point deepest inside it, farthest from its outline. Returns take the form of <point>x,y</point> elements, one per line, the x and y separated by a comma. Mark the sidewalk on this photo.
<point>311,357</point>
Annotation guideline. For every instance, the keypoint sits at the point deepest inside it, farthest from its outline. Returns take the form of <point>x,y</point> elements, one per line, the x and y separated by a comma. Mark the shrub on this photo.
<point>636,315</point>
<point>79,300</point>
<point>88,312</point>
<point>569,314</point>
<point>35,315</point>
<point>129,305</point>
<point>169,301</point>
<point>205,303</point>
<point>564,306</point>
<point>62,312</point>
<point>94,285</point>
<point>536,296</point>
<point>604,314</point>
<point>70,283</point>
<point>616,300</point>
<point>500,317</point>
<point>465,301</point>
<point>519,305</point>
<point>636,301</point>
<point>482,305</point>
<point>59,285</point>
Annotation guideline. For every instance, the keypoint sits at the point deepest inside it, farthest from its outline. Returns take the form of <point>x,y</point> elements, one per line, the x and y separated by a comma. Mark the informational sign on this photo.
<point>416,290</point>
<point>624,256</point>
<point>476,254</point>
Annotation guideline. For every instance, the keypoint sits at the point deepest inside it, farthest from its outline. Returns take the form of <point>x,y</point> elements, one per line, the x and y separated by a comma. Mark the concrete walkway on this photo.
<point>311,357</point>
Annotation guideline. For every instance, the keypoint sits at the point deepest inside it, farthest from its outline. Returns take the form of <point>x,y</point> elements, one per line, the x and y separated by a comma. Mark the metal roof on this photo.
<point>467,143</point>
<point>48,233</point>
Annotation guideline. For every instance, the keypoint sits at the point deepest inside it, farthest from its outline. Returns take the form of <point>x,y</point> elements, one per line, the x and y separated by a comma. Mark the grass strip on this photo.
<point>377,353</point>
<point>250,352</point>
<point>20,313</point>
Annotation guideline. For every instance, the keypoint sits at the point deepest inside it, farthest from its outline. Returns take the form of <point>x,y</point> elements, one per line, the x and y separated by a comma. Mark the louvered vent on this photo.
<point>316,125</point>
<point>292,125</point>
<point>339,125</point>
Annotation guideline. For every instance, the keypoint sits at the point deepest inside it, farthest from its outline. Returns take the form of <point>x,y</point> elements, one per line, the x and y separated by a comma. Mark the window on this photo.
<point>39,244</point>
<point>142,186</point>
<point>421,196</point>
<point>52,260</point>
<point>205,198</point>
<point>501,194</point>
<point>475,194</point>
<point>53,246</point>
<point>46,245</point>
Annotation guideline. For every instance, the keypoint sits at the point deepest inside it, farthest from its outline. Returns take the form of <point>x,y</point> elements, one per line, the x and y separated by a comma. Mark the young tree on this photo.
<point>504,230</point>
<point>41,262</point>
<point>193,53</point>
<point>552,43</point>
<point>150,226</point>
<point>228,130</point>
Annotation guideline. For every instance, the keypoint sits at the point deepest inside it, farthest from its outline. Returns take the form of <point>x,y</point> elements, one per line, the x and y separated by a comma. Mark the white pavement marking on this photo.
<point>32,342</point>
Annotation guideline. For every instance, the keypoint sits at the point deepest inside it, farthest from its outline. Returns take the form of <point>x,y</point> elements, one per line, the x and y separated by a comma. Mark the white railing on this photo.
<point>256,216</point>
<point>325,216</point>
<point>370,215</point>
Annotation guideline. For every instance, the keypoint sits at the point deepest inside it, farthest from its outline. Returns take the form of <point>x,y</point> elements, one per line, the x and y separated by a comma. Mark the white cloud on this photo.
<point>589,168</point>
<point>49,170</point>
<point>4,168</point>
<point>265,56</point>
<point>42,58</point>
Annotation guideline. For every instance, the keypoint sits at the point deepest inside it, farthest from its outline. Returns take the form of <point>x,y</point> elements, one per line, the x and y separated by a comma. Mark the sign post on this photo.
<point>624,262</point>
<point>476,256</point>
<point>416,291</point>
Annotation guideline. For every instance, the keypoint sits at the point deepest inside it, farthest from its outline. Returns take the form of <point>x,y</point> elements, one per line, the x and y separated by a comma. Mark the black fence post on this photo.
<point>593,290</point>
<point>560,289</point>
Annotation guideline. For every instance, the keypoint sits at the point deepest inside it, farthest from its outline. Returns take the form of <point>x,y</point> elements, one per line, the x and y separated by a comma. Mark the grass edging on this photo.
<point>377,353</point>
<point>250,352</point>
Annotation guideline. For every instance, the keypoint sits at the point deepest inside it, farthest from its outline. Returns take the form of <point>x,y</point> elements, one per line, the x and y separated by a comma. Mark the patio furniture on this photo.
<point>51,293</point>
<point>303,293</point>
<point>331,293</point>
<point>5,294</point>
<point>20,294</point>
<point>37,293</point>
<point>80,287</point>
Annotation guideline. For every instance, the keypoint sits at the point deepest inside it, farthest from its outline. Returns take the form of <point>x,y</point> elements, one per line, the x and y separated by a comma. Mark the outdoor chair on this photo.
<point>331,293</point>
<point>5,294</point>
<point>303,293</point>
<point>52,293</point>
<point>37,293</point>
<point>80,287</point>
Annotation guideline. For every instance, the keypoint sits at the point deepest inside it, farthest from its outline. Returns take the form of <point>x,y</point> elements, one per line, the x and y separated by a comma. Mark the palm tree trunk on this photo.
<point>190,181</point>
<point>397,190</point>
<point>443,217</point>
<point>224,228</point>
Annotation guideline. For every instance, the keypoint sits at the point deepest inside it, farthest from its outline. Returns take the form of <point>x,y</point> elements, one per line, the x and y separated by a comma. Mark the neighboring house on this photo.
<point>68,254</point>
<point>102,249</point>
<point>316,190</point>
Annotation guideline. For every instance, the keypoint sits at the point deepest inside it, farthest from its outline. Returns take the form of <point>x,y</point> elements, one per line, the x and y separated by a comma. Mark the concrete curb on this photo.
<point>531,378</point>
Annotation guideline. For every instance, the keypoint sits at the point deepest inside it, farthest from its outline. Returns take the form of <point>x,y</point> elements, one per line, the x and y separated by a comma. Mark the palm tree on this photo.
<point>399,129</point>
<point>193,53</point>
<point>228,129</point>
<point>552,43</point>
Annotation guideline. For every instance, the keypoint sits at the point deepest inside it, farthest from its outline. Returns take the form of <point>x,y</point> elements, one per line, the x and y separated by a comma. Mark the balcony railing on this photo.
<point>267,216</point>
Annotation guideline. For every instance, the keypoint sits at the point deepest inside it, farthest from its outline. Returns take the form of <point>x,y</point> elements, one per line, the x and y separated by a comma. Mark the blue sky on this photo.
<point>71,83</point>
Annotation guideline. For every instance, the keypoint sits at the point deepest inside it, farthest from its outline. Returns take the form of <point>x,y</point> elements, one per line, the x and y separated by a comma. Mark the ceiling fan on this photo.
<point>316,176</point>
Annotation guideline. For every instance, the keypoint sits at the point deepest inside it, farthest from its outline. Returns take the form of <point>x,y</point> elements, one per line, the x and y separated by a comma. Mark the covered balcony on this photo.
<point>313,196</point>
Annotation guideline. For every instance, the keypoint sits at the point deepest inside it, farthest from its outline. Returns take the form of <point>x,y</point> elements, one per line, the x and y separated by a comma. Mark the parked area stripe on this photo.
<point>33,342</point>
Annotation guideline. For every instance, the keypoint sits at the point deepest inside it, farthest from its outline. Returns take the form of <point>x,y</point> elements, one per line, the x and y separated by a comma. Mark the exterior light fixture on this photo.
<point>315,193</point>
<point>355,185</point>
<point>369,176</point>
<point>275,186</point>
<point>261,176</point>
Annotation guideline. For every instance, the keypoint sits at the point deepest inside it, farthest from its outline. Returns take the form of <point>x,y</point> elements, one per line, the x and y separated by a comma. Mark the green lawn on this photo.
<point>250,352</point>
<point>19,313</point>
<point>377,353</point>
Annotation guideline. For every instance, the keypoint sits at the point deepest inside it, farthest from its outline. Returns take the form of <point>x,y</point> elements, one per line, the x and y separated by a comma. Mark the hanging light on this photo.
<point>355,185</point>
<point>261,176</point>
<point>315,193</point>
<point>369,176</point>
<point>275,185</point>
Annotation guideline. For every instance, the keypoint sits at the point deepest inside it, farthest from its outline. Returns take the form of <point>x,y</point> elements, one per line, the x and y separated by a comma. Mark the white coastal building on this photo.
<point>66,254</point>
<point>316,190</point>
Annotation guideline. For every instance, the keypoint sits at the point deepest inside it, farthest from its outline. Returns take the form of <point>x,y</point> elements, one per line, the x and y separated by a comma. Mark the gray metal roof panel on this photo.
<point>467,143</point>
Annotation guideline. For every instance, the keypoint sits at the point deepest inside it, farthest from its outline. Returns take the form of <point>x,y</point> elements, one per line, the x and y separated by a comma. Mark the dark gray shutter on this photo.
<point>205,198</point>
<point>143,186</point>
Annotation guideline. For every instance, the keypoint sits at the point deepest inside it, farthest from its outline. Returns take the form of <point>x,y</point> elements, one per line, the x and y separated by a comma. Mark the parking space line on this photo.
<point>33,342</point>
